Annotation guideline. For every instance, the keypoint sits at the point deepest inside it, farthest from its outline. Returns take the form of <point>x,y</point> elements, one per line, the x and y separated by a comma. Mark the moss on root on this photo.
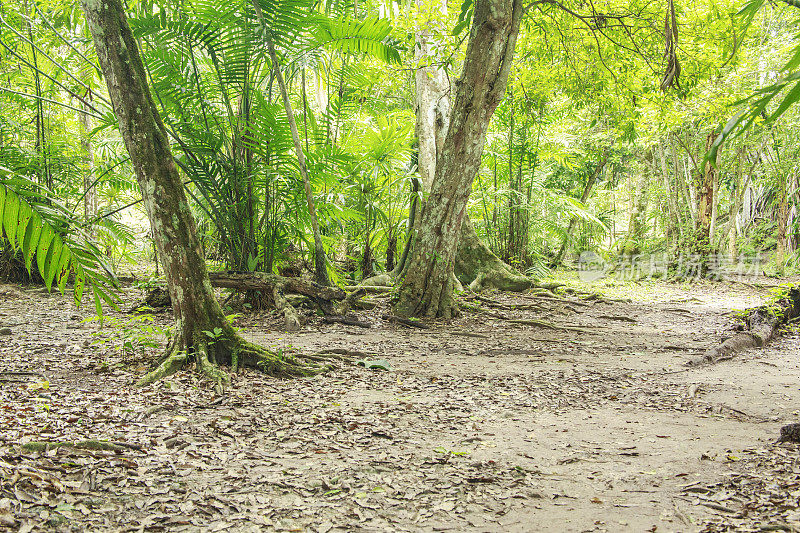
<point>238,353</point>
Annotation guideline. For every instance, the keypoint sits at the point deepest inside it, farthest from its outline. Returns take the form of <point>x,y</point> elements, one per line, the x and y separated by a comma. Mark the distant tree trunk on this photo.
<point>202,332</point>
<point>637,228</point>
<point>704,195</point>
<point>587,190</point>
<point>680,168</point>
<point>742,183</point>
<point>783,215</point>
<point>433,103</point>
<point>89,189</point>
<point>391,250</point>
<point>427,289</point>
<point>674,227</point>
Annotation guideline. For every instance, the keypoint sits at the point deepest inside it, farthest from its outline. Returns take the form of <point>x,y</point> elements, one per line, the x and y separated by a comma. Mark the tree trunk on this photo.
<point>674,228</point>
<point>474,259</point>
<point>783,215</point>
<point>479,268</point>
<point>433,104</point>
<point>742,183</point>
<point>202,332</point>
<point>637,228</point>
<point>320,261</point>
<point>89,190</point>
<point>427,289</point>
<point>704,195</point>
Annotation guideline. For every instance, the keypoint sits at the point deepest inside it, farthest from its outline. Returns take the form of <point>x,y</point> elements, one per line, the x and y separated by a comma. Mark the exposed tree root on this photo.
<point>171,364</point>
<point>90,444</point>
<point>479,269</point>
<point>230,349</point>
<point>620,318</point>
<point>332,301</point>
<point>550,325</point>
<point>347,321</point>
<point>761,325</point>
<point>378,281</point>
<point>408,322</point>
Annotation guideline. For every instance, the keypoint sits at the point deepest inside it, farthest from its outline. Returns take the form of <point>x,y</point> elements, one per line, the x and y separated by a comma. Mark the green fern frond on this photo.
<point>353,36</point>
<point>39,230</point>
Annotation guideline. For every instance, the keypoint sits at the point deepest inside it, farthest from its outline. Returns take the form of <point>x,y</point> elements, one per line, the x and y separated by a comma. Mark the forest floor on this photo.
<point>481,424</point>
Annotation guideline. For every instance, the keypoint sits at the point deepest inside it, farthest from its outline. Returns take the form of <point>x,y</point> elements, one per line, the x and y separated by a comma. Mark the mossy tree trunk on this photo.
<point>427,289</point>
<point>202,332</point>
<point>476,265</point>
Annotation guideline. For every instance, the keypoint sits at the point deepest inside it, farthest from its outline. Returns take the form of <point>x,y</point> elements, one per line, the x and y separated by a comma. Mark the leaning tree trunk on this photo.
<point>202,332</point>
<point>476,265</point>
<point>320,260</point>
<point>427,289</point>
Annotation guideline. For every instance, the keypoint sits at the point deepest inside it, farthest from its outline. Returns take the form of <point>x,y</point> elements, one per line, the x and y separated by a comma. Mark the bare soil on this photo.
<point>481,424</point>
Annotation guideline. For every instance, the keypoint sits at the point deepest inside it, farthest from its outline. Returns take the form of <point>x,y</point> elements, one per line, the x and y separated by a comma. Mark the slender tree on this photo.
<point>202,332</point>
<point>320,260</point>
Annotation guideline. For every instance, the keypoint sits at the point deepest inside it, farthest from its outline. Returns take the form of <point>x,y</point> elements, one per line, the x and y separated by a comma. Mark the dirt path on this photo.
<point>481,425</point>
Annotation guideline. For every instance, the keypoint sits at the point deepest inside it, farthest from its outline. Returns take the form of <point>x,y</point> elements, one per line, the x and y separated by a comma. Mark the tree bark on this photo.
<point>704,195</point>
<point>89,189</point>
<point>433,104</point>
<point>427,289</point>
<point>202,332</point>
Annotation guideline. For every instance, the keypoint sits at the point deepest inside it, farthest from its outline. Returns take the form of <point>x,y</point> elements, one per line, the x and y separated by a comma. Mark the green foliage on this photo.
<point>756,106</point>
<point>44,231</point>
<point>130,336</point>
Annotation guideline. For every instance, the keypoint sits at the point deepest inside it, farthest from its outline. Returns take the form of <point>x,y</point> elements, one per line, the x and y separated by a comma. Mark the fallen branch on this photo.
<point>346,320</point>
<point>549,325</point>
<point>761,326</point>
<point>91,444</point>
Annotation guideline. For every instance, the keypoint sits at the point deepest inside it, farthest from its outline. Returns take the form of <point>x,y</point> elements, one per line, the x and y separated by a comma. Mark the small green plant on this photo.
<point>150,283</point>
<point>130,336</point>
<point>214,335</point>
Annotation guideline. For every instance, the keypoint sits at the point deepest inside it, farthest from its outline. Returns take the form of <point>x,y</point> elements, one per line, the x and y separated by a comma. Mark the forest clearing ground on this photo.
<point>481,425</point>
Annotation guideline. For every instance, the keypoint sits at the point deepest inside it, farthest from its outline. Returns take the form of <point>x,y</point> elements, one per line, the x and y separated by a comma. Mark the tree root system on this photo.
<point>761,325</point>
